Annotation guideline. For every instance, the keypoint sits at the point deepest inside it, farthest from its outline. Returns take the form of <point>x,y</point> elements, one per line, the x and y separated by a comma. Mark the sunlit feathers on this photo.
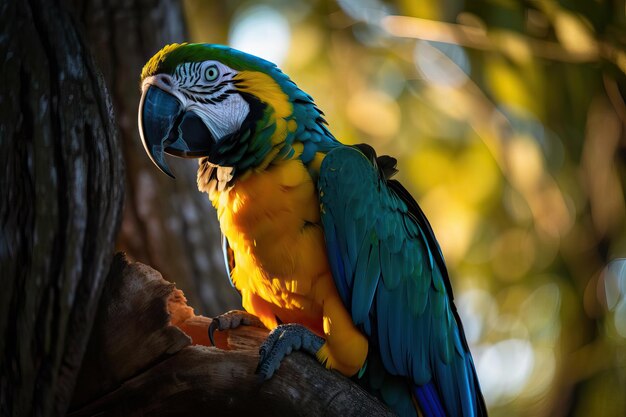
<point>272,223</point>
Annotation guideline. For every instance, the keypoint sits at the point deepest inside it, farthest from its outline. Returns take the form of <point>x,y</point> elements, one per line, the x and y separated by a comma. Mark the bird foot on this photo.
<point>231,320</point>
<point>281,342</point>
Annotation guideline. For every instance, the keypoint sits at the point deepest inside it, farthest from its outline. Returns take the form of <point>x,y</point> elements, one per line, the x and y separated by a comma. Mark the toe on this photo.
<point>212,327</point>
<point>281,342</point>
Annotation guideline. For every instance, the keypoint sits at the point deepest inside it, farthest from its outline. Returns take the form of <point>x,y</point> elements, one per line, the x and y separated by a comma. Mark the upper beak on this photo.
<point>165,127</point>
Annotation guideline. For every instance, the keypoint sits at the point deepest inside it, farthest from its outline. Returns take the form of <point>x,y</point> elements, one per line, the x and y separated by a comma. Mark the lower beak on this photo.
<point>165,127</point>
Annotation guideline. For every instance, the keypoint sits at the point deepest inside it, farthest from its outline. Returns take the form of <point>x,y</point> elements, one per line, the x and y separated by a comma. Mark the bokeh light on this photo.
<point>262,31</point>
<point>614,277</point>
<point>441,63</point>
<point>505,368</point>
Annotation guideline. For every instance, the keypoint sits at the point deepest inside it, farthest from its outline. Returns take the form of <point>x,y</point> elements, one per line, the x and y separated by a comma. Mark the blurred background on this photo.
<point>508,121</point>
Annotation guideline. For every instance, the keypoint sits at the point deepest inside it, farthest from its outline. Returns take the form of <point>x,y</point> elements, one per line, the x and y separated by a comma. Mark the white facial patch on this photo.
<point>222,118</point>
<point>207,89</point>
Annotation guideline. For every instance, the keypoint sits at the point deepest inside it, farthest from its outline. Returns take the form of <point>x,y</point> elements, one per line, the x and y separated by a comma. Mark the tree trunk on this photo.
<point>167,224</point>
<point>62,188</point>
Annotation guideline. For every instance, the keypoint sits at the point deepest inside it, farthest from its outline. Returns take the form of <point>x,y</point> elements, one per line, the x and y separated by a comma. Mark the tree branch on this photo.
<point>146,357</point>
<point>478,38</point>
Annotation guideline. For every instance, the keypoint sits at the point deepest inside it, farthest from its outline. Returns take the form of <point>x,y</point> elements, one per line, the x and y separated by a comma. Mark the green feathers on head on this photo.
<point>167,59</point>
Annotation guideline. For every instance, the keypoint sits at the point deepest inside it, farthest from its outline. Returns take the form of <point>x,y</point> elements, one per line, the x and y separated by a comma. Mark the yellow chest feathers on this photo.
<point>271,220</point>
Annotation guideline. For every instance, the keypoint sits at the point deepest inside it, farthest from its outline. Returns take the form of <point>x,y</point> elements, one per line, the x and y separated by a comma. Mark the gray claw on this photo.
<point>212,327</point>
<point>231,320</point>
<point>281,342</point>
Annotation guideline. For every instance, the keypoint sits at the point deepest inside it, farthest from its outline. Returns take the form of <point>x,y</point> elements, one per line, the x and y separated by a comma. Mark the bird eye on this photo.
<point>211,73</point>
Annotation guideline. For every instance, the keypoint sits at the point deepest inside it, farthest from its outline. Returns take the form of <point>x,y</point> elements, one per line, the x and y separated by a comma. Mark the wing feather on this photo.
<point>391,276</point>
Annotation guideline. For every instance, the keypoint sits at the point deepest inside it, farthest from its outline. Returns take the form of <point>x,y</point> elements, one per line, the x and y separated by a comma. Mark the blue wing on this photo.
<point>391,276</point>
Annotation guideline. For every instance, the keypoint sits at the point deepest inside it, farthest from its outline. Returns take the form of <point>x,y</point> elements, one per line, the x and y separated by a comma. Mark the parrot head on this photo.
<point>214,102</point>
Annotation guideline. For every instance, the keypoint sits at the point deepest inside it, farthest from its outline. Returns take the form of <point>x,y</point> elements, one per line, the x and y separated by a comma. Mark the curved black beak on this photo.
<point>165,127</point>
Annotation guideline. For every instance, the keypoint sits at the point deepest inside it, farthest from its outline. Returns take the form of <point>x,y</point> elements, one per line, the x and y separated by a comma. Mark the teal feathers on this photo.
<point>390,273</point>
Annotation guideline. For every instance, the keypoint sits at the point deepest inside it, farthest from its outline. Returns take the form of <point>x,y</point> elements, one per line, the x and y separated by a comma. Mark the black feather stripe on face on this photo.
<point>233,148</point>
<point>196,92</point>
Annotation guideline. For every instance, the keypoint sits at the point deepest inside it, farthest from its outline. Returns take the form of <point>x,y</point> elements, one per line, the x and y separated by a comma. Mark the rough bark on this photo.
<point>138,363</point>
<point>62,188</point>
<point>167,224</point>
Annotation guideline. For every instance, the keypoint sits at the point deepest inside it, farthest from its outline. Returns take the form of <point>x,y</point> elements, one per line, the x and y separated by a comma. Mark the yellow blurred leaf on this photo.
<point>429,167</point>
<point>306,41</point>
<point>514,45</point>
<point>525,162</point>
<point>508,84</point>
<point>513,254</point>
<point>453,221</point>
<point>477,175</point>
<point>375,113</point>
<point>573,33</point>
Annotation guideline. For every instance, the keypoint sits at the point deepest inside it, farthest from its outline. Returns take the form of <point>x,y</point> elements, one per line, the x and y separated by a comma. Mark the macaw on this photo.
<point>326,249</point>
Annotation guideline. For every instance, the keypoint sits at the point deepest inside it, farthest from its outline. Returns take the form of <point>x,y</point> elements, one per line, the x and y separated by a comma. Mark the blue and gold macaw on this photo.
<point>327,250</point>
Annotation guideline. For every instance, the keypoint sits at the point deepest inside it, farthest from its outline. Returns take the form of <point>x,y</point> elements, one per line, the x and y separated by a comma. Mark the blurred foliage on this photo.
<point>508,120</point>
